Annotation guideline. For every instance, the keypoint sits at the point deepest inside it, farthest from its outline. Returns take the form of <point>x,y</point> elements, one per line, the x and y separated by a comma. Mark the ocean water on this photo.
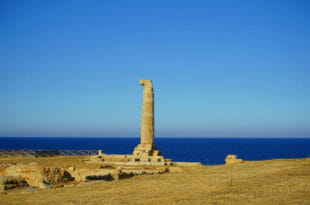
<point>205,150</point>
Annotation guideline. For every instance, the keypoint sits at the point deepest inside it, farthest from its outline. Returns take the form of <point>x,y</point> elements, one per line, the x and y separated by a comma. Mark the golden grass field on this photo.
<point>282,181</point>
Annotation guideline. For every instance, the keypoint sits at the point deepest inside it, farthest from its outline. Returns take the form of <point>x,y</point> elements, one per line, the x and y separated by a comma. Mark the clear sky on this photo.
<point>219,68</point>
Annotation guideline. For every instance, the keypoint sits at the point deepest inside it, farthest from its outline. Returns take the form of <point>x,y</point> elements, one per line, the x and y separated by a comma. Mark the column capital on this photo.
<point>146,83</point>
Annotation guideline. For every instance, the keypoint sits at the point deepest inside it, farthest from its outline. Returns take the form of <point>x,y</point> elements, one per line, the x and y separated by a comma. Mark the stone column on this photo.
<point>147,146</point>
<point>147,125</point>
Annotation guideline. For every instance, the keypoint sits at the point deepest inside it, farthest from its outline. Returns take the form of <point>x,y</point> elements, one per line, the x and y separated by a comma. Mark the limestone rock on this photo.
<point>9,182</point>
<point>232,159</point>
<point>36,175</point>
<point>83,175</point>
<point>54,175</point>
<point>31,173</point>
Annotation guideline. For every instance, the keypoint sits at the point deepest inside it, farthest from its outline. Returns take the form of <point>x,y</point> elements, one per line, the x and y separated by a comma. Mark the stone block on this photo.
<point>10,182</point>
<point>232,159</point>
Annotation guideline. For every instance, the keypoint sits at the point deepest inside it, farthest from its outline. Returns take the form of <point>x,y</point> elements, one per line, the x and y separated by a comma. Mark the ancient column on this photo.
<point>147,146</point>
<point>147,126</point>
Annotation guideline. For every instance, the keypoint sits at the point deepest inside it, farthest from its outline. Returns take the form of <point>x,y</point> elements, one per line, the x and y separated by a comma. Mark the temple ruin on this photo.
<point>147,147</point>
<point>146,152</point>
<point>146,159</point>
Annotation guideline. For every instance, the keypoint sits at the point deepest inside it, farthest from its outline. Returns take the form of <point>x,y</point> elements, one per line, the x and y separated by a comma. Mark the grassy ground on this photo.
<point>260,182</point>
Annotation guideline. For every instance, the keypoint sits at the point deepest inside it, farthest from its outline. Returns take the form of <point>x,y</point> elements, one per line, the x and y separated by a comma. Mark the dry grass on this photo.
<point>261,182</point>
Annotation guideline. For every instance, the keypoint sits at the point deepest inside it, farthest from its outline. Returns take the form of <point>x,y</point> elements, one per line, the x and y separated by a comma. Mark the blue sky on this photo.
<point>219,68</point>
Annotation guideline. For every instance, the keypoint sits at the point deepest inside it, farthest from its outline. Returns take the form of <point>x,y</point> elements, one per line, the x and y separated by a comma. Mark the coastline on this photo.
<point>204,150</point>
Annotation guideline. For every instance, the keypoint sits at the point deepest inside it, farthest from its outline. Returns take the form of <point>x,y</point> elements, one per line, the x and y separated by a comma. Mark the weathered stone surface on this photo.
<point>83,175</point>
<point>115,172</point>
<point>9,182</point>
<point>141,171</point>
<point>143,150</point>
<point>231,156</point>
<point>232,159</point>
<point>54,175</point>
<point>128,159</point>
<point>142,163</point>
<point>36,175</point>
<point>31,173</point>
<point>147,126</point>
<point>147,146</point>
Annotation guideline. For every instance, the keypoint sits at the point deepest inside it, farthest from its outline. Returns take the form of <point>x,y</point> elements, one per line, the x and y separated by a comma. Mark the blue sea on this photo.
<point>205,150</point>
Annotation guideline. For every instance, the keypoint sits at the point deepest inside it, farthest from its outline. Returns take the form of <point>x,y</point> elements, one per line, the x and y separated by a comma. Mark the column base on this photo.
<point>143,150</point>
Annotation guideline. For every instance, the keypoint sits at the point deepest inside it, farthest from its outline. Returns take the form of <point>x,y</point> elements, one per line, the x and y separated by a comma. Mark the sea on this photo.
<point>208,151</point>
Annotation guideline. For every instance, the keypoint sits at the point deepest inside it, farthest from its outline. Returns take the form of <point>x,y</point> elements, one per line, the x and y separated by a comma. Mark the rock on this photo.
<point>54,175</point>
<point>231,156</point>
<point>36,175</point>
<point>10,182</point>
<point>31,173</point>
<point>83,175</point>
<point>232,159</point>
<point>119,160</point>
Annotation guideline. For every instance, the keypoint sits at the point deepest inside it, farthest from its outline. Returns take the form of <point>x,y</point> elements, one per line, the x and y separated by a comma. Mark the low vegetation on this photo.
<point>282,181</point>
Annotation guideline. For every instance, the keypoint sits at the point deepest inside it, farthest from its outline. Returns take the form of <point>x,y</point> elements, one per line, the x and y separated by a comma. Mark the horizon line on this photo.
<point>184,137</point>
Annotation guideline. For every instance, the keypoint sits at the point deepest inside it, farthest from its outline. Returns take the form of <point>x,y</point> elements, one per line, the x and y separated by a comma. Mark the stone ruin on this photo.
<point>147,147</point>
<point>146,152</point>
<point>146,159</point>
<point>232,159</point>
<point>32,175</point>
